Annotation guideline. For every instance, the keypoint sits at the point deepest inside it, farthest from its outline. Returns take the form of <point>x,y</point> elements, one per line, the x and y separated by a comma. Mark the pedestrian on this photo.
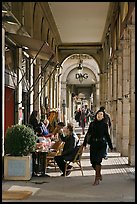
<point>97,137</point>
<point>71,141</point>
<point>83,120</point>
<point>87,114</point>
<point>108,121</point>
<point>78,115</point>
<point>33,121</point>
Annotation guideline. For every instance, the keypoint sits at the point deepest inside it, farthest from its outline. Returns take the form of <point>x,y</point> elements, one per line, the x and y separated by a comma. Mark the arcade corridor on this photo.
<point>58,57</point>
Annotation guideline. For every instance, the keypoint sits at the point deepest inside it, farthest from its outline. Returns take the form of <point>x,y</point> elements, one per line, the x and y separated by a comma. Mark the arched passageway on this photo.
<point>107,57</point>
<point>79,83</point>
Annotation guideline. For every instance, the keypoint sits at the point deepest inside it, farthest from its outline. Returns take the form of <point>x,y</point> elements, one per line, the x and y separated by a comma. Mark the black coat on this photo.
<point>69,150</point>
<point>99,137</point>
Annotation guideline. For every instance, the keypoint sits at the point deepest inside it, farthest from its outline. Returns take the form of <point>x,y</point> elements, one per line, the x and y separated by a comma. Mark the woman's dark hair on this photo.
<point>38,130</point>
<point>102,108</point>
<point>34,113</point>
<point>70,127</point>
<point>33,120</point>
<point>98,112</point>
<point>61,124</point>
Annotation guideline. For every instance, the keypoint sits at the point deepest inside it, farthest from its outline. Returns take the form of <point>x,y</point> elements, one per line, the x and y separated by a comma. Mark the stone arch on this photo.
<point>69,83</point>
<point>37,20</point>
<point>69,64</point>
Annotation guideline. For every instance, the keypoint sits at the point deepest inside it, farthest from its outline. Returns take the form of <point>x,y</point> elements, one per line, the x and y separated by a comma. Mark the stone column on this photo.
<point>101,90</point>
<point>59,94</point>
<point>37,87</point>
<point>18,106</point>
<point>69,108</point>
<point>131,148</point>
<point>46,89</point>
<point>97,96</point>
<point>126,104</point>
<point>114,96</point>
<point>105,88</point>
<point>50,93</point>
<point>119,105</point>
<point>110,89</point>
<point>109,97</point>
<point>31,83</point>
<point>3,87</point>
<point>56,92</point>
<point>64,100</point>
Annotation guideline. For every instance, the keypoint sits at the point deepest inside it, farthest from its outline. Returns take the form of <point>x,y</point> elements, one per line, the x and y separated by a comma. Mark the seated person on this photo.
<point>44,127</point>
<point>59,126</point>
<point>71,141</point>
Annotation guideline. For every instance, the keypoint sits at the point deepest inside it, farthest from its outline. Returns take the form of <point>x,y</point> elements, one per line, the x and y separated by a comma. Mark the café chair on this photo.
<point>76,160</point>
<point>55,150</point>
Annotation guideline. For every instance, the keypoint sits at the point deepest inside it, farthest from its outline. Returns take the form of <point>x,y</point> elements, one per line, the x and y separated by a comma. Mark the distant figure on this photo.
<point>33,121</point>
<point>97,137</point>
<point>78,115</point>
<point>87,114</point>
<point>83,120</point>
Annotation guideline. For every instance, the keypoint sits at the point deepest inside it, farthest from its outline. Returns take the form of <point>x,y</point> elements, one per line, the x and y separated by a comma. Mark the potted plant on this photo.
<point>20,142</point>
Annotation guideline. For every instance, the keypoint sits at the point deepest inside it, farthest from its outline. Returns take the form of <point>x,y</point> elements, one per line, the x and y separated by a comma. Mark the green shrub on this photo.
<point>20,140</point>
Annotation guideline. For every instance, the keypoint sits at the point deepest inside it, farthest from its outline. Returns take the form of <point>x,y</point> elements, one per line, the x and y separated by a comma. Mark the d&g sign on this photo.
<point>80,75</point>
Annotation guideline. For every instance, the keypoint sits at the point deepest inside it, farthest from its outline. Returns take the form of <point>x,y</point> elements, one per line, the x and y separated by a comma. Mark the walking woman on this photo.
<point>97,137</point>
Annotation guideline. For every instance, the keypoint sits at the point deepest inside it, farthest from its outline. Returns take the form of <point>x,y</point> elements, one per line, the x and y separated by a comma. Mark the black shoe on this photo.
<point>69,167</point>
<point>62,174</point>
<point>68,172</point>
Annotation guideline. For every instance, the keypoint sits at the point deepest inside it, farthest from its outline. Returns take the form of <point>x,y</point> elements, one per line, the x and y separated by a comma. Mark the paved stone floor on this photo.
<point>118,184</point>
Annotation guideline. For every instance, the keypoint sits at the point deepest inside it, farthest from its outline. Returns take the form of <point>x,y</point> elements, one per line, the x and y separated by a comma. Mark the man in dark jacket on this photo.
<point>71,142</point>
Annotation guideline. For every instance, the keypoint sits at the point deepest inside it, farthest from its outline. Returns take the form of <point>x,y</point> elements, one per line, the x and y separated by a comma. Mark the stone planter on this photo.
<point>17,167</point>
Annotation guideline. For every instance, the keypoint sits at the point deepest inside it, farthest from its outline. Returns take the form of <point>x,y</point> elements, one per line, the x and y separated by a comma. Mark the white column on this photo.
<point>37,87</point>
<point>64,98</point>
<point>97,97</point>
<point>31,83</point>
<point>126,104</point>
<point>3,86</point>
<point>131,148</point>
<point>19,91</point>
<point>119,106</point>
<point>51,94</point>
<point>59,95</point>
<point>114,105</point>
<point>69,108</point>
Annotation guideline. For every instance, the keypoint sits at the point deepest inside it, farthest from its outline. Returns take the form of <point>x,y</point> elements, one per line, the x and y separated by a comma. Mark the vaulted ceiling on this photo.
<point>80,22</point>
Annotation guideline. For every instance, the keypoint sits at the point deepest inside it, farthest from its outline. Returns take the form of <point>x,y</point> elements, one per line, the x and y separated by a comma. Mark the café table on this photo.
<point>39,163</point>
